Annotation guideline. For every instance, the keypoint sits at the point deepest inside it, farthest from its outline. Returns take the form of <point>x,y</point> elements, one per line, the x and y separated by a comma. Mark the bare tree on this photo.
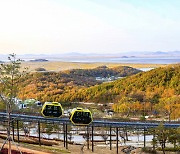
<point>104,135</point>
<point>70,137</point>
<point>10,76</point>
<point>49,129</point>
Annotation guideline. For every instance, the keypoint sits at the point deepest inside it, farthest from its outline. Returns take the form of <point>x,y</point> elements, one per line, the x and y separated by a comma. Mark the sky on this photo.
<point>89,26</point>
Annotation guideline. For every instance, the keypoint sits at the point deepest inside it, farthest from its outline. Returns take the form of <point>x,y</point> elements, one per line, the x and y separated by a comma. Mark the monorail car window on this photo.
<point>52,110</point>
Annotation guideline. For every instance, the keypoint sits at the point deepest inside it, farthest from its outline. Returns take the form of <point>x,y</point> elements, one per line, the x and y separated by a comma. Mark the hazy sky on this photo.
<point>99,26</point>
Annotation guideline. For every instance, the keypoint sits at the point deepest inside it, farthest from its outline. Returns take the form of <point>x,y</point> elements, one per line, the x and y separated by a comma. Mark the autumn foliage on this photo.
<point>146,93</point>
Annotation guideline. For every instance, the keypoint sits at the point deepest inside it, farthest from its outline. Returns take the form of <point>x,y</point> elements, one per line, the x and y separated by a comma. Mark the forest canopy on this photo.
<point>153,92</point>
<point>50,86</point>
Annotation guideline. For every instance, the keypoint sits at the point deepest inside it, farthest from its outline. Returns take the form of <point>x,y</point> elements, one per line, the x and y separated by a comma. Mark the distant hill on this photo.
<point>104,71</point>
<point>141,85</point>
<point>156,92</point>
<point>49,86</point>
<point>95,57</point>
<point>73,85</point>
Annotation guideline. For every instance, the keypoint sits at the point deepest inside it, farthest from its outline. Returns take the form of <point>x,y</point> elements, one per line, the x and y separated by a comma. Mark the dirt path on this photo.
<point>22,149</point>
<point>77,149</point>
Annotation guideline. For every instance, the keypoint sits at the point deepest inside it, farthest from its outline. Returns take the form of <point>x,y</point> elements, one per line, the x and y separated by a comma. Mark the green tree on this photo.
<point>10,76</point>
<point>2,105</point>
<point>174,136</point>
<point>162,134</point>
<point>125,106</point>
<point>171,106</point>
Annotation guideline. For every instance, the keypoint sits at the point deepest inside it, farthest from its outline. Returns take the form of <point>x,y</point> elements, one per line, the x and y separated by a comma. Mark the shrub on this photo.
<point>149,150</point>
<point>40,69</point>
<point>176,149</point>
<point>142,118</point>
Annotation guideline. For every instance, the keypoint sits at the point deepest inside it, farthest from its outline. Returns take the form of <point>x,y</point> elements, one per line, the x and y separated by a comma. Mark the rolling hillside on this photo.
<point>156,92</point>
<point>50,86</point>
<point>157,80</point>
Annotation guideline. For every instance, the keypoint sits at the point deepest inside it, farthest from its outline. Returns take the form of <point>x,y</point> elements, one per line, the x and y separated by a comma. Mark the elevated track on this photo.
<point>98,123</point>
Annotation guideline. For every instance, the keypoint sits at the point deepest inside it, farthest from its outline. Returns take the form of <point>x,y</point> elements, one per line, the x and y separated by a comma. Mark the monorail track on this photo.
<point>98,123</point>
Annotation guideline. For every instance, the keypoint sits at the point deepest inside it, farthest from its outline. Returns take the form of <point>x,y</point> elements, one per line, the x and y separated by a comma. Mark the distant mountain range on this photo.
<point>124,54</point>
<point>83,56</point>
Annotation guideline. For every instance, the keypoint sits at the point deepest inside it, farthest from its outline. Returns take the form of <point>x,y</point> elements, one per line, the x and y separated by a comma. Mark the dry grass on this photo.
<point>73,149</point>
<point>58,148</point>
<point>60,66</point>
